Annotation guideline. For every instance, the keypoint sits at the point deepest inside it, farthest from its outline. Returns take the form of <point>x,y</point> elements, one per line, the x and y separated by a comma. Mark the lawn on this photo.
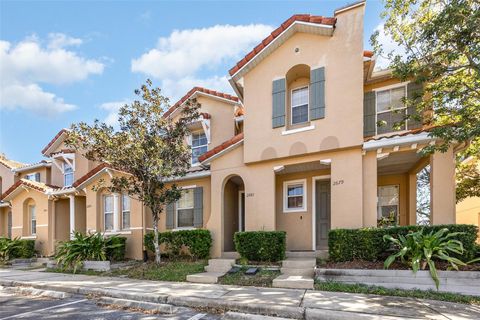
<point>432,295</point>
<point>166,271</point>
<point>263,278</point>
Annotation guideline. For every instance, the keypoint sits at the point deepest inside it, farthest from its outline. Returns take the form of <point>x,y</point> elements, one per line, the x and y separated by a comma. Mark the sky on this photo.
<point>63,62</point>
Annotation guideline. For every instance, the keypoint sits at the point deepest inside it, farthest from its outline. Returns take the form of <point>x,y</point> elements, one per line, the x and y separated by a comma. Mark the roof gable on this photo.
<point>55,142</point>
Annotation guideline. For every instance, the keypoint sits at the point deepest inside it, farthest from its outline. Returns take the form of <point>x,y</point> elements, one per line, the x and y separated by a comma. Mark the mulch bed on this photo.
<point>360,264</point>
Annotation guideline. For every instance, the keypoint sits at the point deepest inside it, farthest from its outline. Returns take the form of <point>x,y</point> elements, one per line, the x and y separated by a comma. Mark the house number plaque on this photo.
<point>251,194</point>
<point>337,182</point>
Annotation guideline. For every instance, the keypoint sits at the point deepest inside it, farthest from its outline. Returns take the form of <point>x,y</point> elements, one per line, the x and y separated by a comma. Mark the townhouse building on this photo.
<point>309,143</point>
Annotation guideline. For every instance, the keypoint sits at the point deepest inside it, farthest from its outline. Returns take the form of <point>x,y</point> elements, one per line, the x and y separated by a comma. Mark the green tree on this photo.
<point>147,146</point>
<point>439,41</point>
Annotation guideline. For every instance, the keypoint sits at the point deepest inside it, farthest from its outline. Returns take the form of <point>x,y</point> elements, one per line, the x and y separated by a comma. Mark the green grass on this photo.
<point>263,278</point>
<point>167,271</point>
<point>432,295</point>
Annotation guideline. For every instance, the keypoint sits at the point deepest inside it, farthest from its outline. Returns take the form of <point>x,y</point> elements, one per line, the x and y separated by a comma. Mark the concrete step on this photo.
<point>205,277</point>
<point>322,254</point>
<point>293,282</point>
<point>231,255</point>
<point>300,254</point>
<point>299,263</point>
<point>308,272</point>
<point>215,268</point>
<point>221,263</point>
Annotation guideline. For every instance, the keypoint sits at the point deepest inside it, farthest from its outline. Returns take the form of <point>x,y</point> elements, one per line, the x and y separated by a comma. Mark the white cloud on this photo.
<point>112,108</point>
<point>27,64</point>
<point>388,46</point>
<point>32,98</point>
<point>178,59</point>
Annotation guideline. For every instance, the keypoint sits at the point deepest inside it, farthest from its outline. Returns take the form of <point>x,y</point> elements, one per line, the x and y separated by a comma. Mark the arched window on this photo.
<point>298,93</point>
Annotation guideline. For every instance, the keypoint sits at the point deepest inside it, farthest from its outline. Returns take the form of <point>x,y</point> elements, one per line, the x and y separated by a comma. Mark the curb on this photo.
<point>148,306</point>
<point>230,315</point>
<point>30,291</point>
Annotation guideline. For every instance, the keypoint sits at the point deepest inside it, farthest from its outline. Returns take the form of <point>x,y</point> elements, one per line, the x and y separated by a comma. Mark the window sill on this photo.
<point>184,228</point>
<point>29,237</point>
<point>303,210</point>
<point>111,233</point>
<point>287,132</point>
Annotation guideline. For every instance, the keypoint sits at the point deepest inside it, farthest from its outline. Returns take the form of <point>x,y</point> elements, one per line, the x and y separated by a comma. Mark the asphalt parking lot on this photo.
<point>14,306</point>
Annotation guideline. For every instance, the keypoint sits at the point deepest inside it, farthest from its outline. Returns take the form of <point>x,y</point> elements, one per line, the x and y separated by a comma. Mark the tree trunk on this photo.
<point>155,239</point>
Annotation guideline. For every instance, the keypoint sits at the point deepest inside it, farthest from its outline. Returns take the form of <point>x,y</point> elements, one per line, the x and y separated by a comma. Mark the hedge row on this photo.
<point>26,249</point>
<point>198,242</point>
<point>367,243</point>
<point>261,245</point>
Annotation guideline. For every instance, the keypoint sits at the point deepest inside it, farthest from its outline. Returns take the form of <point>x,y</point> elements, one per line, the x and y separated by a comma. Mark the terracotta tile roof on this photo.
<point>221,147</point>
<point>367,53</point>
<point>202,90</point>
<point>275,33</point>
<point>11,164</point>
<point>90,174</point>
<point>53,140</point>
<point>401,133</point>
<point>39,186</point>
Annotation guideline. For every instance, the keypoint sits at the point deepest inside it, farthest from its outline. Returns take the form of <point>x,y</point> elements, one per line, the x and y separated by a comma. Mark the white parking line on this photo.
<point>198,316</point>
<point>44,309</point>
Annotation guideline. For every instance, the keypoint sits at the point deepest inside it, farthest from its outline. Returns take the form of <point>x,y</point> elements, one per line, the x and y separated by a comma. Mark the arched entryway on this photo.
<point>233,210</point>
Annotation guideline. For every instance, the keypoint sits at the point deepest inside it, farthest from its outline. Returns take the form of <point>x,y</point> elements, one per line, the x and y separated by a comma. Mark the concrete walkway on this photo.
<point>287,303</point>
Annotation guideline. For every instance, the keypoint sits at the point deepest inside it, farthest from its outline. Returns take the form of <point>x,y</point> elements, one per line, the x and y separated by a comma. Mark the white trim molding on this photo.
<point>302,129</point>
<point>285,193</point>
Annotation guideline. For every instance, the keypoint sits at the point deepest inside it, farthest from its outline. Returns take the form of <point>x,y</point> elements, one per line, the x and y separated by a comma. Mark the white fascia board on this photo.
<point>397,141</point>
<point>33,166</point>
<point>193,175</point>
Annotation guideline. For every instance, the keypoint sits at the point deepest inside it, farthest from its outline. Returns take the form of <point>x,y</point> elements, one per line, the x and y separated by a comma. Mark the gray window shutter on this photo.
<point>414,92</point>
<point>369,107</point>
<point>278,103</point>
<point>37,176</point>
<point>170,216</point>
<point>317,94</point>
<point>198,207</point>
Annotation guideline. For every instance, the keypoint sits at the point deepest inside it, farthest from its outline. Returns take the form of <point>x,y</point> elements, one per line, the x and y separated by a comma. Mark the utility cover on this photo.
<point>251,271</point>
<point>233,270</point>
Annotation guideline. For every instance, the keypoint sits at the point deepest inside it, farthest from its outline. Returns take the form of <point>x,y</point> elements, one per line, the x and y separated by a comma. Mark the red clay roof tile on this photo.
<point>221,147</point>
<point>53,140</point>
<point>275,33</point>
<point>90,174</point>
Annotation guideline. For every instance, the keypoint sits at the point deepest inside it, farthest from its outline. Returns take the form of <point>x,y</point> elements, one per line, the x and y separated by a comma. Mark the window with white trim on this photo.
<point>125,211</point>
<point>67,174</point>
<point>185,205</point>
<point>199,145</point>
<point>391,109</point>
<point>33,219</point>
<point>388,203</point>
<point>108,212</point>
<point>294,194</point>
<point>33,176</point>
<point>299,105</point>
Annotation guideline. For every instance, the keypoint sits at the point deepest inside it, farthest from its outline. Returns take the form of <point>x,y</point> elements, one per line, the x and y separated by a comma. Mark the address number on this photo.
<point>337,182</point>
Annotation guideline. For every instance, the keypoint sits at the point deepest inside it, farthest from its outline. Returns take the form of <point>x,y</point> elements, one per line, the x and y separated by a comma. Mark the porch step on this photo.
<point>231,255</point>
<point>205,277</point>
<point>215,268</point>
<point>322,254</point>
<point>300,254</point>
<point>299,263</point>
<point>293,282</point>
<point>221,264</point>
<point>308,272</point>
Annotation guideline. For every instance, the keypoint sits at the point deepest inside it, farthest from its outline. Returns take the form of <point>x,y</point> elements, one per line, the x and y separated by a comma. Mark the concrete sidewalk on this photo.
<point>287,303</point>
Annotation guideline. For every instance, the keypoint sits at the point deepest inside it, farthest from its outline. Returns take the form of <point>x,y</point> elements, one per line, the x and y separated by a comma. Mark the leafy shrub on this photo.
<point>72,253</point>
<point>25,250</point>
<point>8,247</point>
<point>115,248</point>
<point>418,250</point>
<point>367,243</point>
<point>198,242</point>
<point>261,245</point>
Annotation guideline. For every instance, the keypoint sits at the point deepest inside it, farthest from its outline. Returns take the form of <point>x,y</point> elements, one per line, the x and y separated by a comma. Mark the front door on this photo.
<point>322,213</point>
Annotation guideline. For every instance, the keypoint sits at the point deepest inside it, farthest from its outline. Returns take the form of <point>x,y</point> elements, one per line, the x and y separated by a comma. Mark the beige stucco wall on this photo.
<point>7,178</point>
<point>342,56</point>
<point>21,223</point>
<point>4,221</point>
<point>44,174</point>
<point>468,212</point>
<point>221,122</point>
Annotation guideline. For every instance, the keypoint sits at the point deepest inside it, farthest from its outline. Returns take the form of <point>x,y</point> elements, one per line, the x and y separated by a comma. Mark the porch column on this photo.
<point>370,189</point>
<point>72,215</point>
<point>412,198</point>
<point>442,184</point>
<point>347,189</point>
<point>116,212</point>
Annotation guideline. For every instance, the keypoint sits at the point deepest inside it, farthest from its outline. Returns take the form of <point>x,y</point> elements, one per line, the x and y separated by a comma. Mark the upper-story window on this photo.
<point>391,109</point>
<point>199,146</point>
<point>67,175</point>
<point>299,105</point>
<point>33,176</point>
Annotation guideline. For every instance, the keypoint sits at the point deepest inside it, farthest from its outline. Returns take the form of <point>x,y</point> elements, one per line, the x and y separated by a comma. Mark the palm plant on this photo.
<point>420,250</point>
<point>71,254</point>
<point>7,247</point>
